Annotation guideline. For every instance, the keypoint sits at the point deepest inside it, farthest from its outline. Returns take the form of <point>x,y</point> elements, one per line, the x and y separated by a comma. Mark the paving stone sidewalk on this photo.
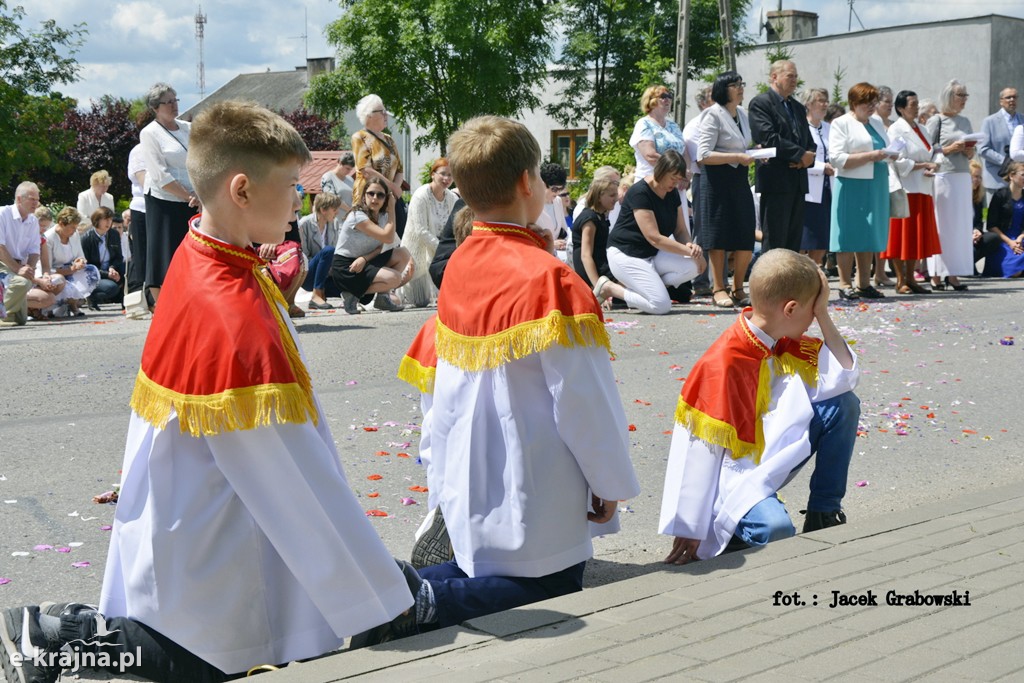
<point>718,620</point>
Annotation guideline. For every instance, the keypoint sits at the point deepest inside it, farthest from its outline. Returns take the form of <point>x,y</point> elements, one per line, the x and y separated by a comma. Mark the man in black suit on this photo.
<point>102,248</point>
<point>778,120</point>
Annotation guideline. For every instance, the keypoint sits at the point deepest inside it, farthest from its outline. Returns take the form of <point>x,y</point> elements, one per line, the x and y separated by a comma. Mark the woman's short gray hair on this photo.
<point>366,106</point>
<point>156,93</point>
<point>946,96</point>
<point>809,94</point>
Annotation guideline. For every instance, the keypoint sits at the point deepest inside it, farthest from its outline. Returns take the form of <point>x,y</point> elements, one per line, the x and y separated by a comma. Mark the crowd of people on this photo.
<point>524,436</point>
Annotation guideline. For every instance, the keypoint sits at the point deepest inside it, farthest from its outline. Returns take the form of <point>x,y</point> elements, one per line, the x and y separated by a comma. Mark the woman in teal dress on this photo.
<point>860,202</point>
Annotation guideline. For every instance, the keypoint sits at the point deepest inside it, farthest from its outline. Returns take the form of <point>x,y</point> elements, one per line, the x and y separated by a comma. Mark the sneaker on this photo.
<point>351,303</point>
<point>402,626</point>
<point>822,520</point>
<point>21,642</point>
<point>383,302</point>
<point>433,546</point>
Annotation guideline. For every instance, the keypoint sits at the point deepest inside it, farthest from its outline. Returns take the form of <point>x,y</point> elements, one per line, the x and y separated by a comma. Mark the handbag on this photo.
<point>899,205</point>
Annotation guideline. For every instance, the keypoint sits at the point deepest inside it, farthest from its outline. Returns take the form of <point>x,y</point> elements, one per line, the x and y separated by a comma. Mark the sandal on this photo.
<point>724,302</point>
<point>938,286</point>
<point>869,292</point>
<point>848,293</point>
<point>599,287</point>
<point>905,289</point>
<point>740,298</point>
<point>918,289</point>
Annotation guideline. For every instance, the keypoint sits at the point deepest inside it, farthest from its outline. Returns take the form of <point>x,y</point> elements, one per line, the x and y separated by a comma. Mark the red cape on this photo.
<point>505,297</point>
<point>419,364</point>
<point>219,352</point>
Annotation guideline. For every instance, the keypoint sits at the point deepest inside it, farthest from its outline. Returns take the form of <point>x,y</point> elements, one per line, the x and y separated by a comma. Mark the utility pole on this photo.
<point>201,67</point>
<point>682,59</point>
<point>724,19</point>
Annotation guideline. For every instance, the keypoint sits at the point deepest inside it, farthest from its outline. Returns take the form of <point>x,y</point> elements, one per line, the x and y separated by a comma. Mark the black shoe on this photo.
<point>402,626</point>
<point>849,294</point>
<point>957,287</point>
<point>434,546</point>
<point>93,306</point>
<point>822,520</point>
<point>869,292</point>
<point>24,649</point>
<point>314,306</point>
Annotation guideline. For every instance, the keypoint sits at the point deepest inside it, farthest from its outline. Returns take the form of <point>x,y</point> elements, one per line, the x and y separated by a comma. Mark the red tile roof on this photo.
<point>311,173</point>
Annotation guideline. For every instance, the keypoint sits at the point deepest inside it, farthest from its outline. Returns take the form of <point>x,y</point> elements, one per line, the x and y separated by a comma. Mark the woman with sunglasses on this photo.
<point>656,132</point>
<point>365,262</point>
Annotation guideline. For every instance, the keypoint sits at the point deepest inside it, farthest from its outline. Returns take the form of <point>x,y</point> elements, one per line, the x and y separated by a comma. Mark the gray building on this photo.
<point>982,52</point>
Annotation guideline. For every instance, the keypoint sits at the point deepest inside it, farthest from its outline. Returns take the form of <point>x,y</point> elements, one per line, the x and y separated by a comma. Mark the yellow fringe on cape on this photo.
<point>228,411</point>
<point>411,372</point>
<point>474,354</point>
<point>234,409</point>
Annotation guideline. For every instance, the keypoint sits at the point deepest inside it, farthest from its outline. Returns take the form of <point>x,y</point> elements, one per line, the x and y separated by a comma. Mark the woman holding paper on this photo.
<point>727,206</point>
<point>860,201</point>
<point>953,211</point>
<point>914,237</point>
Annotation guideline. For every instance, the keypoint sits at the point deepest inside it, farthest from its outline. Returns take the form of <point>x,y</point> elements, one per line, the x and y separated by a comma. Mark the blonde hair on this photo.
<point>99,178</point>
<point>43,213</point>
<point>781,275</point>
<point>239,137</point>
<point>596,189</point>
<point>650,97</point>
<point>326,201</point>
<point>462,224</point>
<point>487,156</point>
<point>978,193</point>
<point>68,216</point>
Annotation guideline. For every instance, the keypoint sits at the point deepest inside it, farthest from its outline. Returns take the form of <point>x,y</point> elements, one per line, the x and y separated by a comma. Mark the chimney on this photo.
<point>318,65</point>
<point>791,24</point>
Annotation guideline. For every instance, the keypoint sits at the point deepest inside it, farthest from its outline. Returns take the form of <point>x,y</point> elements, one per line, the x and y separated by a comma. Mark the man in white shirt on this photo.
<point>19,253</point>
<point>993,149</point>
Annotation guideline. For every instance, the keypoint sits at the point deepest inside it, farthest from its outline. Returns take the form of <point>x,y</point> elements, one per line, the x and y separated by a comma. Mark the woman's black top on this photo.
<point>626,236</point>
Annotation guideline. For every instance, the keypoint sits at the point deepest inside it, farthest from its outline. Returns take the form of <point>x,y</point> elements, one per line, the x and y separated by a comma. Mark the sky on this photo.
<point>133,44</point>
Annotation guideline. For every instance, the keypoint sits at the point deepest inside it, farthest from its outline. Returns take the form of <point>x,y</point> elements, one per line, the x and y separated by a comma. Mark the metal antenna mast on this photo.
<point>201,67</point>
<point>853,13</point>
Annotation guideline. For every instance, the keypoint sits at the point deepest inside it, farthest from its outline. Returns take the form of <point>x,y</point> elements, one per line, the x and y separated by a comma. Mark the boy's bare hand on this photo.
<point>604,510</point>
<point>821,303</point>
<point>683,550</point>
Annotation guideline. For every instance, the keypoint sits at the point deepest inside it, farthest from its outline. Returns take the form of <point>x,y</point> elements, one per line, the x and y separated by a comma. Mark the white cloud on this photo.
<point>149,22</point>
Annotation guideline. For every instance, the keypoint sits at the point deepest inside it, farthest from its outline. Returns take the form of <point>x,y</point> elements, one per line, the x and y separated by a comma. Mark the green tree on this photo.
<point>614,46</point>
<point>31,64</point>
<point>436,63</point>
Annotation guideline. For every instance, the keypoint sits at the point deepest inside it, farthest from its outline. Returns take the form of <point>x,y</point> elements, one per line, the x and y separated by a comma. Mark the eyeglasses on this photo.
<point>962,94</point>
<point>738,84</point>
<point>1009,97</point>
<point>379,111</point>
<point>563,194</point>
<point>174,101</point>
<point>665,96</point>
<point>375,195</point>
<point>556,188</point>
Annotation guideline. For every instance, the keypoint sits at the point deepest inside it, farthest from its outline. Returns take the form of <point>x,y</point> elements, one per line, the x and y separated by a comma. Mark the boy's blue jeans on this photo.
<point>833,432</point>
<point>459,597</point>
<point>319,273</point>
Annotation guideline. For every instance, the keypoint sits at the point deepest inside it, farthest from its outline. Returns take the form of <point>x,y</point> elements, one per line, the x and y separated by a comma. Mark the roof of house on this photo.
<point>311,173</point>
<point>275,90</point>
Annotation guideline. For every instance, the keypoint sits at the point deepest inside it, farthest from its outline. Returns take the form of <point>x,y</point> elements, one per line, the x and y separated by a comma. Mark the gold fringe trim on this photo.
<point>474,354</point>
<point>228,411</point>
<point>412,372</point>
<point>788,364</point>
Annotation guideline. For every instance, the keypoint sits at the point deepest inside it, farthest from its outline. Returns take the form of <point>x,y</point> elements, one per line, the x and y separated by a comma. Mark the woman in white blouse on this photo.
<point>818,200</point>
<point>428,213</point>
<point>914,237</point>
<point>96,196</point>
<point>170,200</point>
<point>67,260</point>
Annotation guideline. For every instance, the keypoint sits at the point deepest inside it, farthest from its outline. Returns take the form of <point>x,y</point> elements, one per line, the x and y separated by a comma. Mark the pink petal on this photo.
<point>106,527</point>
<point>63,550</point>
<point>43,547</point>
<point>390,423</point>
<point>4,581</point>
<point>409,501</point>
<point>862,483</point>
<point>351,382</point>
<point>80,565</point>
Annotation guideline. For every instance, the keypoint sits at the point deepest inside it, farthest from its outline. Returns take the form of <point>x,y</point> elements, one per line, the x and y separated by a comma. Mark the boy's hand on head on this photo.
<point>821,302</point>
<point>683,550</point>
<point>604,510</point>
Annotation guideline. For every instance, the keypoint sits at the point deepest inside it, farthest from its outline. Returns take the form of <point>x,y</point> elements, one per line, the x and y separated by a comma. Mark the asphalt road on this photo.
<point>937,421</point>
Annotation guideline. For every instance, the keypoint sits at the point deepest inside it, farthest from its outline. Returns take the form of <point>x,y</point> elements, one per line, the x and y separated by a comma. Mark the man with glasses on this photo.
<point>998,128</point>
<point>778,120</point>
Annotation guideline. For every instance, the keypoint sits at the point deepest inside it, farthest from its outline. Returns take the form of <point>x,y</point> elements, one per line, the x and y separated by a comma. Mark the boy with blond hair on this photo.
<point>526,426</point>
<point>228,457</point>
<point>758,403</point>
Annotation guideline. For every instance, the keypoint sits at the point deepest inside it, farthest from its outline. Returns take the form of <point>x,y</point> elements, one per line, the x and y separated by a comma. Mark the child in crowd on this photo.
<point>526,426</point>
<point>754,408</point>
<point>237,541</point>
